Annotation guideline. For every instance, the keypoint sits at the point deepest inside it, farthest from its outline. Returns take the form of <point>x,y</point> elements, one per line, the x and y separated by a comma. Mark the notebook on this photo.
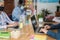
<point>4,34</point>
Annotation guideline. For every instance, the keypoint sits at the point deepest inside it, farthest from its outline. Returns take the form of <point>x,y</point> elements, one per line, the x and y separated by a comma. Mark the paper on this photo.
<point>20,25</point>
<point>1,27</point>
<point>32,37</point>
<point>40,37</point>
<point>15,34</point>
<point>56,19</point>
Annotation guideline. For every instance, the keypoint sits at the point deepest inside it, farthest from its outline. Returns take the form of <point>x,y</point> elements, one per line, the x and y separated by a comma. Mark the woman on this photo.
<point>4,19</point>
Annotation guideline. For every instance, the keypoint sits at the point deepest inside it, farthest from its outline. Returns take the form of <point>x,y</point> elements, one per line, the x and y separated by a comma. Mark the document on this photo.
<point>56,19</point>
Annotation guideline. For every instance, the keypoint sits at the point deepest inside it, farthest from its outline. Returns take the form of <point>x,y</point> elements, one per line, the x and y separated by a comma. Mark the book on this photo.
<point>4,34</point>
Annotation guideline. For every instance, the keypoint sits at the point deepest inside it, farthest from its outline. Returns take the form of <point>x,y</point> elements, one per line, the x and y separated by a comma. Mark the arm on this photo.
<point>10,23</point>
<point>52,34</point>
<point>16,14</point>
<point>55,26</point>
<point>4,26</point>
<point>48,32</point>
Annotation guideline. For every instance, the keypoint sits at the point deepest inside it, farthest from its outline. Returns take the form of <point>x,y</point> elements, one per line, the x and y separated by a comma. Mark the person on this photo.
<point>4,19</point>
<point>17,11</point>
<point>50,33</point>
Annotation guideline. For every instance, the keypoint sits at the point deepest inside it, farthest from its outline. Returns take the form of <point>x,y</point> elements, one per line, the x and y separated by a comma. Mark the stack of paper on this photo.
<point>56,19</point>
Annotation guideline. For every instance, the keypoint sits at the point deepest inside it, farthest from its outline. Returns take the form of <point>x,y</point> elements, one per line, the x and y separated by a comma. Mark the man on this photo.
<point>19,10</point>
<point>50,33</point>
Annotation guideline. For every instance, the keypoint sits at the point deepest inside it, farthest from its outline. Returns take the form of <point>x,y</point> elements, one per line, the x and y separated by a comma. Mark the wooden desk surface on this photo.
<point>28,30</point>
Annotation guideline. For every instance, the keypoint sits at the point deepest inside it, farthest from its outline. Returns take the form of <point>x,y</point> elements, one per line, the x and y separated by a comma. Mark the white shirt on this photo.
<point>17,12</point>
<point>4,19</point>
<point>56,19</point>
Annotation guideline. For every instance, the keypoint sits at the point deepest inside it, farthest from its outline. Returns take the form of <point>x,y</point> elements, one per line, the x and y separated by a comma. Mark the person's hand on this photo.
<point>44,30</point>
<point>47,27</point>
<point>14,24</point>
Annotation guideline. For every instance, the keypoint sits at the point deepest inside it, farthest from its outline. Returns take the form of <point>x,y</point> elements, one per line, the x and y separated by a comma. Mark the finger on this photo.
<point>41,30</point>
<point>46,26</point>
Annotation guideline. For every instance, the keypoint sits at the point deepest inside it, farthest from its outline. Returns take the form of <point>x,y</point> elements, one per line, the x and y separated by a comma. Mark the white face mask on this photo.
<point>22,7</point>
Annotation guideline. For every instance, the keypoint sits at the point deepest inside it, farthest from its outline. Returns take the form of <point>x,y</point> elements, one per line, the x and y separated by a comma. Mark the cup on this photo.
<point>15,34</point>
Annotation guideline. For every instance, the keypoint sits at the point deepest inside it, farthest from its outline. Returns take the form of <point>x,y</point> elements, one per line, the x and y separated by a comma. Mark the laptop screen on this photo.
<point>34,22</point>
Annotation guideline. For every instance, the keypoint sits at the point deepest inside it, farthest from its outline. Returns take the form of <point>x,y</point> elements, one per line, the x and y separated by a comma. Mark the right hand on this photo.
<point>44,30</point>
<point>47,27</point>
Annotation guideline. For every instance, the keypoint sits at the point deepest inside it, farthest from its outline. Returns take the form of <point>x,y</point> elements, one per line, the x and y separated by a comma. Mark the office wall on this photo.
<point>1,3</point>
<point>16,2</point>
<point>49,6</point>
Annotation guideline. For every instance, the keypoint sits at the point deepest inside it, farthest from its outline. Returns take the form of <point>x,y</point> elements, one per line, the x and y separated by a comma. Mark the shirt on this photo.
<point>4,19</point>
<point>17,12</point>
<point>53,34</point>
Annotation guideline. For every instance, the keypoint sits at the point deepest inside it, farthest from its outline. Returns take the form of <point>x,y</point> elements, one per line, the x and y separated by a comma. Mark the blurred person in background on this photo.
<point>17,11</point>
<point>4,19</point>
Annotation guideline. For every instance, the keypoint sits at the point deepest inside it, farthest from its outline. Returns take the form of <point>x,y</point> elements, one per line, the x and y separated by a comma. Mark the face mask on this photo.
<point>1,8</point>
<point>22,7</point>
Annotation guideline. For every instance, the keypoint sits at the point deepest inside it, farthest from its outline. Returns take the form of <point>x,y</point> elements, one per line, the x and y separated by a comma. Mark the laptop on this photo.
<point>34,24</point>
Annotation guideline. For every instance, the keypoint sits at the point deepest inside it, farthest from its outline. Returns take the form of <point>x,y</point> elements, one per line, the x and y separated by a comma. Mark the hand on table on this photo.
<point>45,29</point>
<point>13,24</point>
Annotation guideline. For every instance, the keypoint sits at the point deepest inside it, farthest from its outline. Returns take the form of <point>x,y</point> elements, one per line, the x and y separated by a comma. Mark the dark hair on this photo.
<point>1,8</point>
<point>59,1</point>
<point>21,1</point>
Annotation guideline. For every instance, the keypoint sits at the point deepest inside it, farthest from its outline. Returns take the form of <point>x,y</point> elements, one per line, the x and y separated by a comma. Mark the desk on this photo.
<point>29,30</point>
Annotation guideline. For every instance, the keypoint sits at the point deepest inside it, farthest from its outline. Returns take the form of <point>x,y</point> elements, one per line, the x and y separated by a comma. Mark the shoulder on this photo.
<point>3,13</point>
<point>16,8</point>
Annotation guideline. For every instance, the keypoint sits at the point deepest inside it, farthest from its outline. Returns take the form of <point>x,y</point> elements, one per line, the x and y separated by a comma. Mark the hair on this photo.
<point>1,8</point>
<point>21,1</point>
<point>59,1</point>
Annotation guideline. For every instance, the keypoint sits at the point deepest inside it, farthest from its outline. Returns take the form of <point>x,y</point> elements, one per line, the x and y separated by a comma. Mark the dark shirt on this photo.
<point>53,34</point>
